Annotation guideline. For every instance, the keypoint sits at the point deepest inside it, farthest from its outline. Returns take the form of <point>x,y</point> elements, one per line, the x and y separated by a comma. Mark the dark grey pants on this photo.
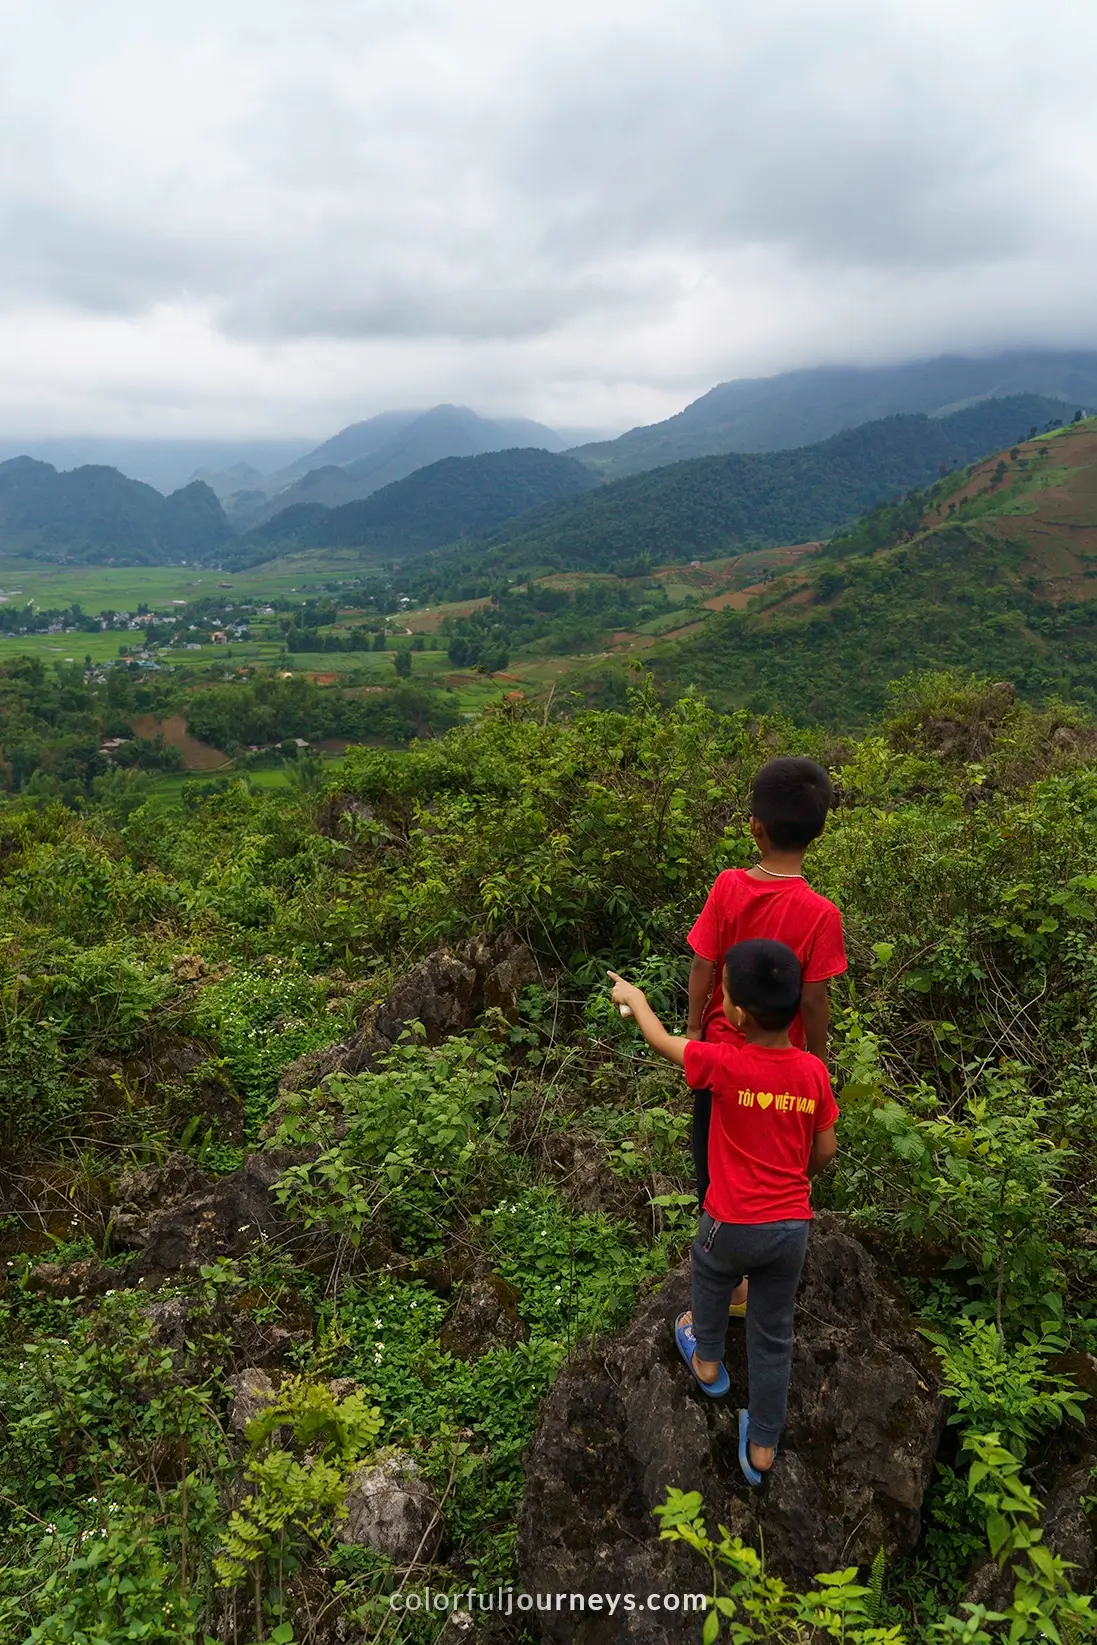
<point>772,1253</point>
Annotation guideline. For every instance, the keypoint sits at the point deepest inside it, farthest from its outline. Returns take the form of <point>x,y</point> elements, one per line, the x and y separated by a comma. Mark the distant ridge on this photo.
<point>448,500</point>
<point>367,456</point>
<point>801,407</point>
<point>718,505</point>
<point>97,516</point>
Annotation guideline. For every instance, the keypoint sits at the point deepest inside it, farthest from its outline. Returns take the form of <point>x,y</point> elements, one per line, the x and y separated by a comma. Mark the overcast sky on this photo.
<point>271,217</point>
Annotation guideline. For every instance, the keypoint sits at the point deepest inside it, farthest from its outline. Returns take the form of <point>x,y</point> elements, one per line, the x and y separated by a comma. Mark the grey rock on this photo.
<point>147,1192</point>
<point>391,1508</point>
<point>623,1424</point>
<point>220,1220</point>
<point>1066,1533</point>
<point>447,992</point>
<point>253,1391</point>
<point>485,1316</point>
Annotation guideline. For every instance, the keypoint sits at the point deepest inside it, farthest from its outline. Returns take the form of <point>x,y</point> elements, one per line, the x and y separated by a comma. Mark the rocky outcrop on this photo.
<point>621,1426</point>
<point>391,1508</point>
<point>447,992</point>
<point>1066,1533</point>
<point>485,1316</point>
<point>220,1220</point>
<point>147,1193</point>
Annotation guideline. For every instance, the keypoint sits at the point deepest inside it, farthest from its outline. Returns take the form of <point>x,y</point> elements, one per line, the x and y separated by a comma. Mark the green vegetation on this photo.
<point>254,927</point>
<point>96,514</point>
<point>457,497</point>
<point>716,504</point>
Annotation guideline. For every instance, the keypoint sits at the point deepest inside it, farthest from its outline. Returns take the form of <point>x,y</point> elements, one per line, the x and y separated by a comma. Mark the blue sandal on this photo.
<point>687,1346</point>
<point>750,1473</point>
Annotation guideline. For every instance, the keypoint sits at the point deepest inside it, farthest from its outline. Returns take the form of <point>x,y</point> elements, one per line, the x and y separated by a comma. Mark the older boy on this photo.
<point>773,1129</point>
<point>790,799</point>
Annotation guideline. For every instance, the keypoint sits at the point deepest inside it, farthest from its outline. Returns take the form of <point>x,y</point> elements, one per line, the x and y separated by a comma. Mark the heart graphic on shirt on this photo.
<point>764,1098</point>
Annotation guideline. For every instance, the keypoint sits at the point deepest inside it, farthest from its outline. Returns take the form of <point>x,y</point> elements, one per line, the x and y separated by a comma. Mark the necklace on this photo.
<point>773,874</point>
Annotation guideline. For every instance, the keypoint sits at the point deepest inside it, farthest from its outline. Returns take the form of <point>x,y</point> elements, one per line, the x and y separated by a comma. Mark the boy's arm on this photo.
<point>824,1146</point>
<point>815,1010</point>
<point>700,988</point>
<point>670,1046</point>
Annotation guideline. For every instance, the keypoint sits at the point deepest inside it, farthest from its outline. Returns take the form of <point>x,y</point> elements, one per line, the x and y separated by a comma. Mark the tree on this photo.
<point>402,663</point>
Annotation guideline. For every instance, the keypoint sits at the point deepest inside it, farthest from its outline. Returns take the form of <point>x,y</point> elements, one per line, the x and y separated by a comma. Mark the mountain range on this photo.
<point>718,505</point>
<point>801,407</point>
<point>97,515</point>
<point>994,571</point>
<point>365,457</point>
<point>455,498</point>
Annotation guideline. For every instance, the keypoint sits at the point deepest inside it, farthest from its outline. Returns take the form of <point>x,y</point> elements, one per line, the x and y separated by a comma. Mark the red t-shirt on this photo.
<point>766,1108</point>
<point>738,908</point>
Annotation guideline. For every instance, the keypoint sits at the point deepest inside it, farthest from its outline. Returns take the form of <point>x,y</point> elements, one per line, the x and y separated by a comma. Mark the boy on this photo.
<point>773,1129</point>
<point>790,799</point>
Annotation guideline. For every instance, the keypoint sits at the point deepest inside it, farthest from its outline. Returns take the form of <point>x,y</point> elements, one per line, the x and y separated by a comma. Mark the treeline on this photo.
<point>553,621</point>
<point>712,505</point>
<point>268,710</point>
<point>53,723</point>
<point>956,597</point>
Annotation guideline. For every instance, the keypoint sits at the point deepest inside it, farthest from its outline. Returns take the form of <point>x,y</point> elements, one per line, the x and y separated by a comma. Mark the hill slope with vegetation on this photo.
<point>456,497</point>
<point>238,1294</point>
<point>994,569</point>
<point>96,516</point>
<point>714,505</point>
<point>799,407</point>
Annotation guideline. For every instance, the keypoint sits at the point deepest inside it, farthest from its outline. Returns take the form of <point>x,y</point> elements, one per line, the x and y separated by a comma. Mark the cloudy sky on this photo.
<point>268,217</point>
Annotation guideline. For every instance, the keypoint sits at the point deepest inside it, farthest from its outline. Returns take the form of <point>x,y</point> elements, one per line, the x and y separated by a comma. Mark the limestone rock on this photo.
<point>88,1278</point>
<point>621,1426</point>
<point>220,1220</point>
<point>485,1316</point>
<point>447,992</point>
<point>253,1391</point>
<point>391,1508</point>
<point>147,1193</point>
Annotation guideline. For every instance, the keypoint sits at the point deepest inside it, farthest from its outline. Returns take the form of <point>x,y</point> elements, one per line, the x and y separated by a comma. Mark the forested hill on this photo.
<point>799,407</point>
<point>97,515</point>
<point>714,505</point>
<point>456,497</point>
<point>994,570</point>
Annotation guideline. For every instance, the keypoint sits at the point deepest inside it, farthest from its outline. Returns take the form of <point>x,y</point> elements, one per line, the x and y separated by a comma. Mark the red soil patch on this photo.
<point>196,756</point>
<point>735,600</point>
<point>322,679</point>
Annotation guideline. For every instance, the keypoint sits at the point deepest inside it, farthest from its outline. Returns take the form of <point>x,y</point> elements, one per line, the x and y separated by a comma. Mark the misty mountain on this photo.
<point>98,516</point>
<point>454,498</point>
<point>800,407</point>
<point>444,431</point>
<point>715,505</point>
<point>165,464</point>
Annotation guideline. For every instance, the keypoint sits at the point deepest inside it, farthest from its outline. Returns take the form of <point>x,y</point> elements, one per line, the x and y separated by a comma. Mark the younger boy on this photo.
<point>790,799</point>
<point>773,1129</point>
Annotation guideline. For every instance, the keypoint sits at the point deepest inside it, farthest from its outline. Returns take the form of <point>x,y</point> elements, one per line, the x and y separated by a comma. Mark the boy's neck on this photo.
<point>778,862</point>
<point>766,1039</point>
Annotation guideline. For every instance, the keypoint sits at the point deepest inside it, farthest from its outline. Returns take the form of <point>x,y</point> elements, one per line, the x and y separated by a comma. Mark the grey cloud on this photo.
<point>586,203</point>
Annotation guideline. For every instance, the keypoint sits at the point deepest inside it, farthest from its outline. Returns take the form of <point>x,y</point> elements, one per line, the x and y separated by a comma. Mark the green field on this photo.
<point>123,588</point>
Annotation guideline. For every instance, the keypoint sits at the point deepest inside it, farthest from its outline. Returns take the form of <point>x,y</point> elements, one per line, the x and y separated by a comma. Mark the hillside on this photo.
<point>713,504</point>
<point>457,497</point>
<point>368,456</point>
<point>801,407</point>
<point>998,572</point>
<point>96,515</point>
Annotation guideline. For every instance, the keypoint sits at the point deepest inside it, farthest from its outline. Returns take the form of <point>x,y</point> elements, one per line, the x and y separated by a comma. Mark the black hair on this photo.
<point>764,978</point>
<point>791,798</point>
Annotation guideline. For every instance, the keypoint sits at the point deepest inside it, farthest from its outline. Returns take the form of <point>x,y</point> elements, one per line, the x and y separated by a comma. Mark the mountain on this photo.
<point>454,498</point>
<point>355,441</point>
<point>995,571</point>
<point>165,464</point>
<point>231,481</point>
<point>445,431</point>
<point>713,505</point>
<point>96,515</point>
<point>801,407</point>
